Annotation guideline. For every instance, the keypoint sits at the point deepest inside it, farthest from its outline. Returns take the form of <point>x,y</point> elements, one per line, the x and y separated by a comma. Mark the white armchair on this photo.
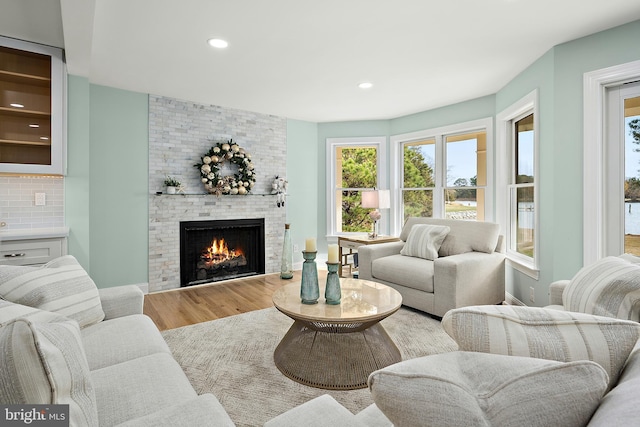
<point>468,267</point>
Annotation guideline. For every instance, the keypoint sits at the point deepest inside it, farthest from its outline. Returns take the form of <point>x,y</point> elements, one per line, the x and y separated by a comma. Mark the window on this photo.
<point>517,199</point>
<point>354,167</point>
<point>441,173</point>
<point>522,187</point>
<point>621,223</point>
<point>418,178</point>
<point>466,156</point>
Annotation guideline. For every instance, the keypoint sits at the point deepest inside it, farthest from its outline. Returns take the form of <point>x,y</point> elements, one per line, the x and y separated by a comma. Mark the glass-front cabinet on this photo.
<point>32,103</point>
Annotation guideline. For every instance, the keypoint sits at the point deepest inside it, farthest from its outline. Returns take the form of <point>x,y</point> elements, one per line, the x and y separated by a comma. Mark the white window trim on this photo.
<point>437,133</point>
<point>527,104</point>
<point>380,142</point>
<point>595,84</point>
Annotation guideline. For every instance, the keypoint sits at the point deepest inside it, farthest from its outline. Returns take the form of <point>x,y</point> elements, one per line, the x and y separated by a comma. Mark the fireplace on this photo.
<point>220,249</point>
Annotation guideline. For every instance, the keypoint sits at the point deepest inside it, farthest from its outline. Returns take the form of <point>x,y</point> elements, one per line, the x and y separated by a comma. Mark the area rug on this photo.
<point>233,359</point>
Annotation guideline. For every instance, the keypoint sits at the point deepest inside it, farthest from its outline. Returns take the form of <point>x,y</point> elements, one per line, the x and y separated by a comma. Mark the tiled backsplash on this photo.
<point>17,202</point>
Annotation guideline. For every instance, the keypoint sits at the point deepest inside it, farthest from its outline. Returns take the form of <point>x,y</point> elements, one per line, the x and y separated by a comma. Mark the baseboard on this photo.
<point>511,300</point>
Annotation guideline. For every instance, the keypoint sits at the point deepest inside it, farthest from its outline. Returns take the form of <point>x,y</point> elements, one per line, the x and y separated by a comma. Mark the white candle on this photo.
<point>333,254</point>
<point>310,245</point>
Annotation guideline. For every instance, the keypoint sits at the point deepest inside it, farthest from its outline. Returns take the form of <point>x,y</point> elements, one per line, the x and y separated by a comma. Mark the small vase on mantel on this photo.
<point>286,268</point>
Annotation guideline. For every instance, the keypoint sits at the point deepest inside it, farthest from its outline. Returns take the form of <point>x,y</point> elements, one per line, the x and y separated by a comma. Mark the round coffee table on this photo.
<point>337,346</point>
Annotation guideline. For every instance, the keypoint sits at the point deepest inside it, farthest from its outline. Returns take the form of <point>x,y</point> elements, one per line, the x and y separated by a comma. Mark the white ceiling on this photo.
<point>303,59</point>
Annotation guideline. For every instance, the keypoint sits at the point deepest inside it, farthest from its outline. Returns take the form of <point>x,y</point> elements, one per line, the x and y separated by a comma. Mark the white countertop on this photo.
<point>34,233</point>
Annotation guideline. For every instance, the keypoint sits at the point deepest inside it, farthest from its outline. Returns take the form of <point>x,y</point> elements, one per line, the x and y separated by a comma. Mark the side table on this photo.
<point>353,242</point>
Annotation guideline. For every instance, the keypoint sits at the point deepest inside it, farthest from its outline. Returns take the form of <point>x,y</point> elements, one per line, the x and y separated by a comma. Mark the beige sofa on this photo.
<point>66,342</point>
<point>469,268</point>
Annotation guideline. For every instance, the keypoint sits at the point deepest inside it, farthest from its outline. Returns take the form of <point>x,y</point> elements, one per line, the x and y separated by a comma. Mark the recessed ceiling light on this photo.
<point>365,85</point>
<point>34,125</point>
<point>219,43</point>
<point>17,105</point>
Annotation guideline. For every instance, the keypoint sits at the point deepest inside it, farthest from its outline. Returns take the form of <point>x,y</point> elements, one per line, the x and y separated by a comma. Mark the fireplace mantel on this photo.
<point>179,132</point>
<point>166,213</point>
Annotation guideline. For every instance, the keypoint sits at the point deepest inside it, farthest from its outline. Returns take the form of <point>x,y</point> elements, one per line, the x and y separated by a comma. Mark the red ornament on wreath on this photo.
<point>240,182</point>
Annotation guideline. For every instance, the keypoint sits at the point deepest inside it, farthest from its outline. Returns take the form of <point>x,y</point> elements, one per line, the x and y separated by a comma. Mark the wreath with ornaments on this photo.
<point>213,161</point>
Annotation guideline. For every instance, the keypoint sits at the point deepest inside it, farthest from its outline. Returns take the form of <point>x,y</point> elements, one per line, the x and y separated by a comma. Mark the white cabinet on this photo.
<point>32,108</point>
<point>32,247</point>
<point>32,252</point>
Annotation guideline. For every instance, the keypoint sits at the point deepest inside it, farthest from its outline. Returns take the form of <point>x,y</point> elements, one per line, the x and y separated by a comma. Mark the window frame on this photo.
<point>379,142</point>
<point>505,181</point>
<point>595,187</point>
<point>439,134</point>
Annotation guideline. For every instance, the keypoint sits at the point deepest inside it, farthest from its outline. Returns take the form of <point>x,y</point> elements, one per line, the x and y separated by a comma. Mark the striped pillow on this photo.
<point>543,333</point>
<point>10,311</point>
<point>425,240</point>
<point>609,287</point>
<point>44,363</point>
<point>61,286</point>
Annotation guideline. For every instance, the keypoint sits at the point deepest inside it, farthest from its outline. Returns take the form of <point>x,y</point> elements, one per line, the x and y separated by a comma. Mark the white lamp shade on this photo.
<point>377,199</point>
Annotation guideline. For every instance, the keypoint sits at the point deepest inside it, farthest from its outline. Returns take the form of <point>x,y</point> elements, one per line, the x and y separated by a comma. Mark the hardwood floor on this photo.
<point>195,304</point>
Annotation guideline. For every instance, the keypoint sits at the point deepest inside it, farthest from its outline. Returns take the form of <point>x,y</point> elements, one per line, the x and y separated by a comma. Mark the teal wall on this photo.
<point>106,186</point>
<point>474,109</point>
<point>76,181</point>
<point>538,76</point>
<point>302,173</point>
<point>107,183</point>
<point>558,76</point>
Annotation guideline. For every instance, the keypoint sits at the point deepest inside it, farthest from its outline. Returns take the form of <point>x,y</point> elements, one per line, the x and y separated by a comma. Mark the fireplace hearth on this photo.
<point>217,250</point>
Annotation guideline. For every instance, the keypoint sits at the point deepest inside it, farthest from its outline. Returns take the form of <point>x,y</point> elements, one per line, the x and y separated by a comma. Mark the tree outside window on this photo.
<point>356,171</point>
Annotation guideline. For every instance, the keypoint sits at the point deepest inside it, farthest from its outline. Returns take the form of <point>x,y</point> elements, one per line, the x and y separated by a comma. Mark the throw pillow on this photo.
<point>609,287</point>
<point>45,363</point>
<point>465,236</point>
<point>10,311</point>
<point>61,286</point>
<point>425,240</point>
<point>477,389</point>
<point>543,333</point>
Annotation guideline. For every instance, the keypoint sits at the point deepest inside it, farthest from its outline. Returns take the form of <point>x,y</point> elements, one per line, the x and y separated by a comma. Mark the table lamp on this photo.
<point>376,199</point>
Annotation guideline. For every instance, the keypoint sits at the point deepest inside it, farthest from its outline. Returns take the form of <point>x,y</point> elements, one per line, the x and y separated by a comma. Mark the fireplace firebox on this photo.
<point>220,249</point>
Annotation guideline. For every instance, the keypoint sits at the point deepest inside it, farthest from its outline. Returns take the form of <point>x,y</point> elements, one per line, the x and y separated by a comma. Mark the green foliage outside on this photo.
<point>359,172</point>
<point>417,174</point>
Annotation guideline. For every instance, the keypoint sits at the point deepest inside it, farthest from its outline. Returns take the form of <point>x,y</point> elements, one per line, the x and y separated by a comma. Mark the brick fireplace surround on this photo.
<point>179,134</point>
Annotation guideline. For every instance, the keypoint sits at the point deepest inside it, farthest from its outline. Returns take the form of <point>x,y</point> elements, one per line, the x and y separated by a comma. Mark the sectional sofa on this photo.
<point>65,342</point>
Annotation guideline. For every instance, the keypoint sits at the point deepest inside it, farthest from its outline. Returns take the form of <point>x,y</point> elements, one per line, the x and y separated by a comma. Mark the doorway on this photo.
<point>622,155</point>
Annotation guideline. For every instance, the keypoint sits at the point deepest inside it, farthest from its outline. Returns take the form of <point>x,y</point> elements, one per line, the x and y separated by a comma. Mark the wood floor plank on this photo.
<point>195,304</point>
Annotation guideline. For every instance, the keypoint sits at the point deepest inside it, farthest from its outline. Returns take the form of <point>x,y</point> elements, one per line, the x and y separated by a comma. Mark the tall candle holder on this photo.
<point>309,289</point>
<point>332,292</point>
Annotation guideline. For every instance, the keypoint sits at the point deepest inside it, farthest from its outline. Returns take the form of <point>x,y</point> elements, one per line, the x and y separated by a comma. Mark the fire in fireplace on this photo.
<point>219,256</point>
<point>220,249</point>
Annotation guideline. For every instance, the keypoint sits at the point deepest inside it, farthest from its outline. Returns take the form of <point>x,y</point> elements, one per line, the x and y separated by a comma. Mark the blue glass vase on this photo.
<point>309,289</point>
<point>286,268</point>
<point>332,292</point>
